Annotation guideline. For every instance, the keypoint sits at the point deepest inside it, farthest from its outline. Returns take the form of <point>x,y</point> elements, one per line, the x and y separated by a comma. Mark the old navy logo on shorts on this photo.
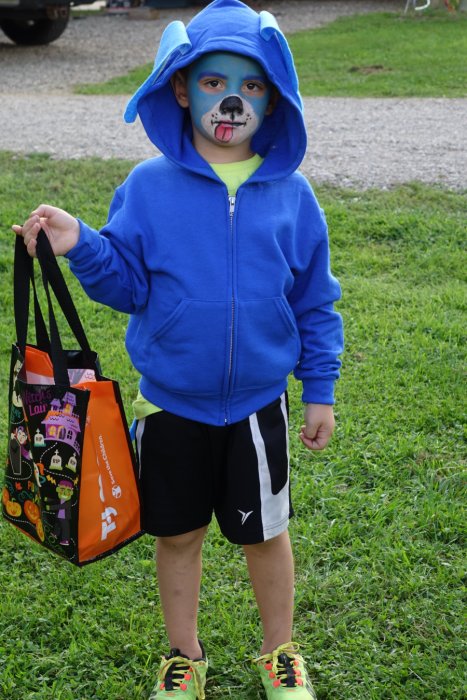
<point>244,515</point>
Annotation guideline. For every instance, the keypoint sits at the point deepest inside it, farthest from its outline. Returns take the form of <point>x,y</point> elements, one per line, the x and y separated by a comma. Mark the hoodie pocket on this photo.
<point>187,353</point>
<point>268,343</point>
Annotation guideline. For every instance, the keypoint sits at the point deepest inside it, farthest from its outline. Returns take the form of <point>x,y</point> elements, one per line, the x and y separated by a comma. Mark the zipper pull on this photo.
<point>232,200</point>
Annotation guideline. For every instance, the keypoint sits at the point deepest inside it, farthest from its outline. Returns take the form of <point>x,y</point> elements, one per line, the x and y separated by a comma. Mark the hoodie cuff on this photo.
<point>88,245</point>
<point>318,391</point>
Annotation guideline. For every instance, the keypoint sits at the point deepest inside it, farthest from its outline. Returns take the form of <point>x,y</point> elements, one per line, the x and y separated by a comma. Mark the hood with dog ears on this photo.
<point>228,26</point>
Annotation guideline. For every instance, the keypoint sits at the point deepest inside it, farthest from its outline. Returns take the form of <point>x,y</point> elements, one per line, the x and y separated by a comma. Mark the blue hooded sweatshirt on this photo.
<point>226,297</point>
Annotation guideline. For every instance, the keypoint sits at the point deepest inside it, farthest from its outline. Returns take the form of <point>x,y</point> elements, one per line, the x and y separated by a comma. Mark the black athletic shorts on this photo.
<point>239,472</point>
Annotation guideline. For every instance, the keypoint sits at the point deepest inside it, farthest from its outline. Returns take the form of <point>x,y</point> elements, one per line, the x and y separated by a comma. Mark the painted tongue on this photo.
<point>224,132</point>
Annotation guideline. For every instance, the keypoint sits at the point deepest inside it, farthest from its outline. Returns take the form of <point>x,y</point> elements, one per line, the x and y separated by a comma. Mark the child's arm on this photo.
<point>320,326</point>
<point>312,300</point>
<point>111,272</point>
<point>61,228</point>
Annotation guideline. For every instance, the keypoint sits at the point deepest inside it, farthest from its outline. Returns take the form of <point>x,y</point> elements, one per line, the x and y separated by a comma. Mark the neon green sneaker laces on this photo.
<point>284,675</point>
<point>180,677</point>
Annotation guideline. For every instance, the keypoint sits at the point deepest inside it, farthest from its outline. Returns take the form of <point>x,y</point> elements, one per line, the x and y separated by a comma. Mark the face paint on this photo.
<point>228,96</point>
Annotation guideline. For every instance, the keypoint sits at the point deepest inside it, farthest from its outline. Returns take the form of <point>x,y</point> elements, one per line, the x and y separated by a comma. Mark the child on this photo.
<point>218,250</point>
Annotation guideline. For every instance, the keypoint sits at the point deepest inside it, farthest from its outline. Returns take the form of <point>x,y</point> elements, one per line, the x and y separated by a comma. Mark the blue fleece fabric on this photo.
<point>224,305</point>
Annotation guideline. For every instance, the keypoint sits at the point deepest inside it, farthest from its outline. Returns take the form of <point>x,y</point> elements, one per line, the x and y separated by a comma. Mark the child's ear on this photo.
<point>273,100</point>
<point>179,86</point>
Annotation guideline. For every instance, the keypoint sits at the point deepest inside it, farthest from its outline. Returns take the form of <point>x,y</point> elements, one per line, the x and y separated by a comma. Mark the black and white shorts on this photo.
<point>239,472</point>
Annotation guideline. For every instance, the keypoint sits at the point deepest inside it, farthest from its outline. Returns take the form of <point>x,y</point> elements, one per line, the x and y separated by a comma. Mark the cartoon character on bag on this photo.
<point>62,507</point>
<point>15,397</point>
<point>18,451</point>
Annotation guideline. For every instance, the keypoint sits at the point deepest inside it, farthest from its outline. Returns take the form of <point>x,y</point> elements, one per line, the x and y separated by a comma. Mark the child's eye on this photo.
<point>211,84</point>
<point>254,87</point>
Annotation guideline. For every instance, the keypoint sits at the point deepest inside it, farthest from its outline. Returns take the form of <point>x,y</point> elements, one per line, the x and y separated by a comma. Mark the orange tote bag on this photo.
<point>70,479</point>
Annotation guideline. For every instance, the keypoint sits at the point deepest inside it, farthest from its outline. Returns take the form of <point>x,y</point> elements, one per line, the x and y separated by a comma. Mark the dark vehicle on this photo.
<point>35,22</point>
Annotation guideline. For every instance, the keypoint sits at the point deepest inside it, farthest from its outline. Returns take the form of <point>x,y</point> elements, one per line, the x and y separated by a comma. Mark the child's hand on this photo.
<point>319,426</point>
<point>61,228</point>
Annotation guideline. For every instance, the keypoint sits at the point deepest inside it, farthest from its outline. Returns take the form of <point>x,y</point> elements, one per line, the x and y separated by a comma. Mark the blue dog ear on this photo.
<point>174,42</point>
<point>268,29</point>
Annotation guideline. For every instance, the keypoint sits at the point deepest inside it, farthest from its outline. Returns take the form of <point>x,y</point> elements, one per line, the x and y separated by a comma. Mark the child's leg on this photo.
<point>271,569</point>
<point>179,564</point>
<point>176,487</point>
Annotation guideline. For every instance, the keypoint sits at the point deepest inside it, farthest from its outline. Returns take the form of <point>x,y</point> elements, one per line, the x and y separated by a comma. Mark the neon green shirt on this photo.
<point>232,175</point>
<point>235,174</point>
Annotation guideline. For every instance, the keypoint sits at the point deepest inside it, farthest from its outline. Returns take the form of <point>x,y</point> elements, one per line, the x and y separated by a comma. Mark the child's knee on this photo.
<point>262,548</point>
<point>185,541</point>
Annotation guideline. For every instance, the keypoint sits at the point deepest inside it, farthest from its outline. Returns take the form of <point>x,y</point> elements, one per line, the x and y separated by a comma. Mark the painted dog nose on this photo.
<point>231,105</point>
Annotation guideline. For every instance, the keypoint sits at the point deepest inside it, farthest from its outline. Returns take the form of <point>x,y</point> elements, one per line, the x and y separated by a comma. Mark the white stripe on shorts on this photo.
<point>139,436</point>
<point>274,507</point>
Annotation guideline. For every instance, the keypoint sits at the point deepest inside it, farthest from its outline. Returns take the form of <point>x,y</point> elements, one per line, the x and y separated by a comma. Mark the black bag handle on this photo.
<point>51,274</point>
<point>23,278</point>
<point>57,354</point>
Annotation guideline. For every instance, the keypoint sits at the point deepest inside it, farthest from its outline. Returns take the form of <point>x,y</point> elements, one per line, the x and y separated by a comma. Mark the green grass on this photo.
<point>385,55</point>
<point>378,532</point>
<point>376,55</point>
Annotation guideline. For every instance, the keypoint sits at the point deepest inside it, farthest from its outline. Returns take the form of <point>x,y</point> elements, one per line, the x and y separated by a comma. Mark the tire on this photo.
<point>37,31</point>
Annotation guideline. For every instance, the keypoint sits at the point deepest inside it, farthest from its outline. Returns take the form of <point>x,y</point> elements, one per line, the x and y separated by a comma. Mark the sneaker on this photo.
<point>181,677</point>
<point>284,675</point>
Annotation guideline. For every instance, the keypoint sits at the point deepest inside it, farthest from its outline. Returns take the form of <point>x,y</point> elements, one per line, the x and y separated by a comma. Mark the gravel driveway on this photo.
<point>359,142</point>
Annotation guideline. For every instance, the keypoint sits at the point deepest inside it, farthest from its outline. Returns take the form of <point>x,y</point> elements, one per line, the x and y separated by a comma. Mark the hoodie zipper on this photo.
<point>232,202</point>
